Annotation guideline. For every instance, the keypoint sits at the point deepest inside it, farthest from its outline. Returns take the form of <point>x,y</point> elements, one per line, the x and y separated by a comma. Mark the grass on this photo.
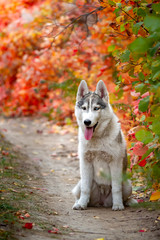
<point>20,200</point>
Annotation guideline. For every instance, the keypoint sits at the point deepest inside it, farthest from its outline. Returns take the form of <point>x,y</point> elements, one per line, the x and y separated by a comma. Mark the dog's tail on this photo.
<point>76,191</point>
<point>130,202</point>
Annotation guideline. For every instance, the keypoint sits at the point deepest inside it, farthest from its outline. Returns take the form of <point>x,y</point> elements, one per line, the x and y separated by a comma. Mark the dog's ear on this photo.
<point>101,90</point>
<point>82,90</point>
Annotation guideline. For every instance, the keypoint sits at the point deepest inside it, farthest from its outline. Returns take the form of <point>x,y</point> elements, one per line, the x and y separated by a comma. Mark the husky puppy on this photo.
<point>102,152</point>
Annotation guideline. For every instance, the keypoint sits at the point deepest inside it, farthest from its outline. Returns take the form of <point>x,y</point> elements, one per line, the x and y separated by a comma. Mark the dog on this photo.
<point>102,152</point>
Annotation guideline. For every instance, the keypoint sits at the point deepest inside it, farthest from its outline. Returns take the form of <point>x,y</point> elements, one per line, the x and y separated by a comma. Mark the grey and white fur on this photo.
<point>102,152</point>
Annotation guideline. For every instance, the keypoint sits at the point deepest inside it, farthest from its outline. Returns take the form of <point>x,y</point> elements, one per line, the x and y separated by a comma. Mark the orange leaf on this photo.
<point>155,196</point>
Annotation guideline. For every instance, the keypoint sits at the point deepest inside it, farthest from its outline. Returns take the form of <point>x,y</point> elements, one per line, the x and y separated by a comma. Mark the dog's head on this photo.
<point>92,108</point>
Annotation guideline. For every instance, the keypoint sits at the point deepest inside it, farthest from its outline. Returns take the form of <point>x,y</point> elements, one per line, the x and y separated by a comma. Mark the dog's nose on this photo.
<point>87,122</point>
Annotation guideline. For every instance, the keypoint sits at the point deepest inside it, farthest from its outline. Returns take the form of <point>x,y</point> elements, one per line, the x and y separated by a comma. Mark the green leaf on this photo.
<point>157,153</point>
<point>140,45</point>
<point>125,56</point>
<point>119,5</point>
<point>156,126</point>
<point>141,12</point>
<point>144,136</point>
<point>136,27</point>
<point>152,23</point>
<point>156,76</point>
<point>127,8</point>
<point>143,118</point>
<point>141,76</point>
<point>111,48</point>
<point>152,51</point>
<point>147,153</point>
<point>143,104</point>
<point>155,36</point>
<point>122,28</point>
<point>116,11</point>
<point>155,109</point>
<point>36,90</point>
<point>111,3</point>
<point>156,7</point>
<point>140,88</point>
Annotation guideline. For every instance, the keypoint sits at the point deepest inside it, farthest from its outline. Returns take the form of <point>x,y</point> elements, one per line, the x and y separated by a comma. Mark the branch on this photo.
<point>133,18</point>
<point>82,17</point>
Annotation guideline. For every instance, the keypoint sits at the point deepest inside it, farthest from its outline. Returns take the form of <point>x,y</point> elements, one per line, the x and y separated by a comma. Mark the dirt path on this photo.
<point>55,157</point>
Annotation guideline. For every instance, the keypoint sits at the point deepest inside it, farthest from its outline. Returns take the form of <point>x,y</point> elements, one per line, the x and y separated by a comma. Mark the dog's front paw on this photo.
<point>77,206</point>
<point>117,207</point>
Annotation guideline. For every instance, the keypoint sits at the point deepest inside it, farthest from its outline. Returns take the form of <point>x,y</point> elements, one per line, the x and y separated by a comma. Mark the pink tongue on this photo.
<point>88,133</point>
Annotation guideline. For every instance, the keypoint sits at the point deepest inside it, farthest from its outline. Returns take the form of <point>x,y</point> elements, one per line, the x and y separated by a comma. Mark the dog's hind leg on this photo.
<point>127,192</point>
<point>77,190</point>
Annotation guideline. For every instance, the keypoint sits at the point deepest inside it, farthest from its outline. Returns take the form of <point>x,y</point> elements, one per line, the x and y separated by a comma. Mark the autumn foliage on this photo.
<point>47,47</point>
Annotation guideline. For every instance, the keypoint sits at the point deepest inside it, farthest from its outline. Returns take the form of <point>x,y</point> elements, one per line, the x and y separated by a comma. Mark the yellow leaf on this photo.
<point>155,196</point>
<point>99,239</point>
<point>119,19</point>
<point>96,217</point>
<point>137,69</point>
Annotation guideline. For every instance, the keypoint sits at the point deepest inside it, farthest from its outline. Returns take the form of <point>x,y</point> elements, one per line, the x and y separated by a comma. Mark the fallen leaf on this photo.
<point>54,154</point>
<point>65,226</point>
<point>2,190</point>
<point>5,153</point>
<point>155,196</point>
<point>55,213</point>
<point>55,231</point>
<point>35,153</point>
<point>27,215</point>
<point>23,126</point>
<point>96,217</point>
<point>143,230</point>
<point>39,131</point>
<point>99,239</point>
<point>140,200</point>
<point>28,225</point>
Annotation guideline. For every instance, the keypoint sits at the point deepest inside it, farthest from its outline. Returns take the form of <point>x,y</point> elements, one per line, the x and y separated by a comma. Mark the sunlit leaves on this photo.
<point>152,23</point>
<point>136,27</point>
<point>156,7</point>
<point>125,56</point>
<point>143,104</point>
<point>156,126</point>
<point>140,45</point>
<point>144,136</point>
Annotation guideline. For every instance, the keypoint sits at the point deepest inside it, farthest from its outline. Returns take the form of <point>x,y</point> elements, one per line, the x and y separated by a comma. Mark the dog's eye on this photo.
<point>84,108</point>
<point>96,108</point>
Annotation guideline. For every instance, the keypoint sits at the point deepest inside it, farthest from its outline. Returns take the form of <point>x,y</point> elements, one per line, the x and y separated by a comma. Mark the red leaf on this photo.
<point>142,230</point>
<point>142,163</point>
<point>145,95</point>
<point>28,225</point>
<point>140,200</point>
<point>5,153</point>
<point>55,231</point>
<point>139,149</point>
